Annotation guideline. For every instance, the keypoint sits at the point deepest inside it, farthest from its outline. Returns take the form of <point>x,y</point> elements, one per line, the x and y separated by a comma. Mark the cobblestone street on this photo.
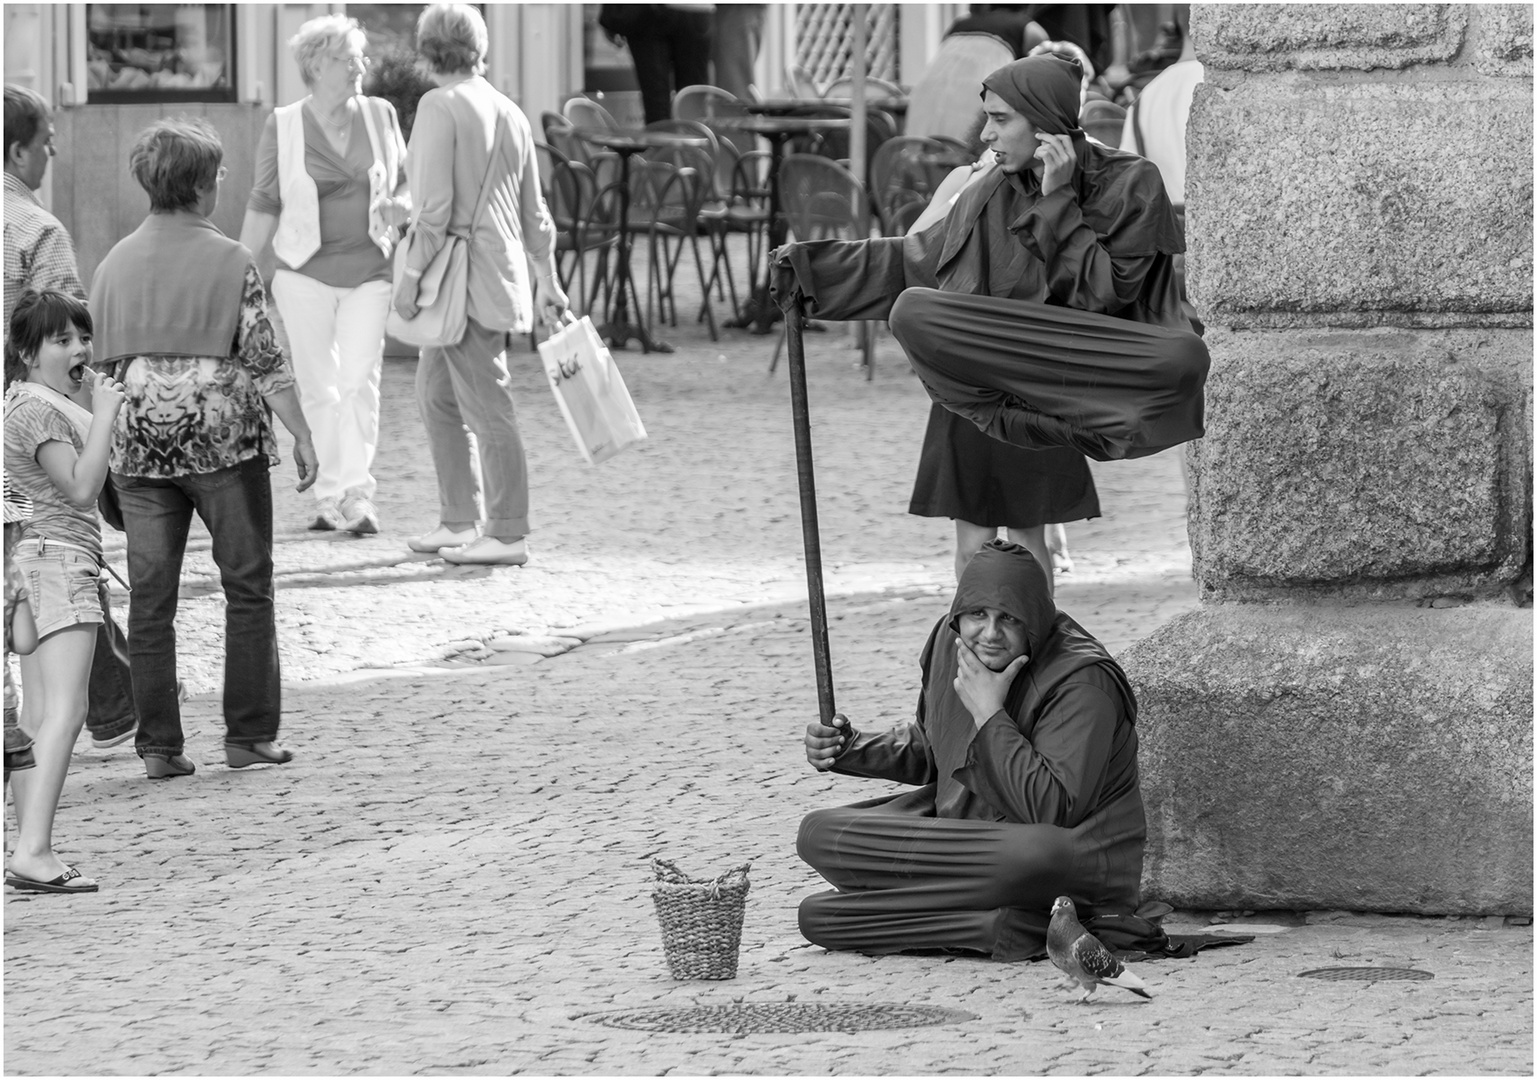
<point>452,876</point>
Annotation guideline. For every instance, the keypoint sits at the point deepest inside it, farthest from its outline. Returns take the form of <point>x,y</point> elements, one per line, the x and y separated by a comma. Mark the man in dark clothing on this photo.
<point>1044,306</point>
<point>669,45</point>
<point>1027,759</point>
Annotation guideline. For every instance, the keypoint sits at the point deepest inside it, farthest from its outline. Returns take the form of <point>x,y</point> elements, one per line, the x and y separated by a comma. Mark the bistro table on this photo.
<point>777,124</point>
<point>617,328</point>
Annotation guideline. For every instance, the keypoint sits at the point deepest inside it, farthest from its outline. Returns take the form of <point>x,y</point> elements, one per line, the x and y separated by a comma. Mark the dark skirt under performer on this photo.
<point>1044,308</point>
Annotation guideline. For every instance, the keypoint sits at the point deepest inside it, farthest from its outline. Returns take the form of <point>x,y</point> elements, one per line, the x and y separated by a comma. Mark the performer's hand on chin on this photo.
<point>1056,152</point>
<point>982,690</point>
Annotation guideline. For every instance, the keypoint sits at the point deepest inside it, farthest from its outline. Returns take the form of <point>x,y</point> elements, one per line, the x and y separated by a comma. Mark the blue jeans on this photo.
<point>111,711</point>
<point>236,506</point>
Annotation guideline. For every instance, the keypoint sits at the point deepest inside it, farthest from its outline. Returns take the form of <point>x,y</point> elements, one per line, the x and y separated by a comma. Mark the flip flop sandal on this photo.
<point>60,884</point>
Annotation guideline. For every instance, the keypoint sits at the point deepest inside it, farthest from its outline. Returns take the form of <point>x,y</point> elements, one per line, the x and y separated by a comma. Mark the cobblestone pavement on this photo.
<point>452,877</point>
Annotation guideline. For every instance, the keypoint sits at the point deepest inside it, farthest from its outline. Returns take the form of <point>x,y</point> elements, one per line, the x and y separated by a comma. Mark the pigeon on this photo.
<point>1083,957</point>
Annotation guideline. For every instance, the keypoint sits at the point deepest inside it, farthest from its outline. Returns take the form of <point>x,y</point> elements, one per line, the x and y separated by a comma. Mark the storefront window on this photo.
<point>160,52</point>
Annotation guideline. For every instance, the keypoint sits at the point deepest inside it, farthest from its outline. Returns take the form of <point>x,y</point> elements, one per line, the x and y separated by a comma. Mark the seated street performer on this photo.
<point>1044,306</point>
<point>1026,760</point>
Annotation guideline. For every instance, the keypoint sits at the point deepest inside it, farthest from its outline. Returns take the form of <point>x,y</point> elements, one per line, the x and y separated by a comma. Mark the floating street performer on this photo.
<point>1044,307</point>
<point>1026,754</point>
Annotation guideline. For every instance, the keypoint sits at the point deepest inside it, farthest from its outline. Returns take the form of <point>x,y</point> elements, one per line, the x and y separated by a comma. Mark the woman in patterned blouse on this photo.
<point>181,318</point>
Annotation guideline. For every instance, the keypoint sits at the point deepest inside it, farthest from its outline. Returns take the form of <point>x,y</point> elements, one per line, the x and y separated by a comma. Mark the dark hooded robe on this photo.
<point>1045,320</point>
<point>1042,800</point>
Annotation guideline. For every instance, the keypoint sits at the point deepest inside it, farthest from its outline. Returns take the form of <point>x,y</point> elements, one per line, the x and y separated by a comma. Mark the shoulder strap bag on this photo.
<point>443,295</point>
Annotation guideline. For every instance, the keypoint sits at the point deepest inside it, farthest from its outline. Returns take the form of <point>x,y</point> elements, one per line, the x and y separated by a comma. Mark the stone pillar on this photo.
<point>1346,721</point>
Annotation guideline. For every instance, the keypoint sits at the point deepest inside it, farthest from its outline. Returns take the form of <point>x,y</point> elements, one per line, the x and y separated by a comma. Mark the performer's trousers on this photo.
<point>907,883</point>
<point>1036,375</point>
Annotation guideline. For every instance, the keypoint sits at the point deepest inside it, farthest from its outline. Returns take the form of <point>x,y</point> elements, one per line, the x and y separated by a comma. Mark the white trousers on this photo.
<point>337,340</point>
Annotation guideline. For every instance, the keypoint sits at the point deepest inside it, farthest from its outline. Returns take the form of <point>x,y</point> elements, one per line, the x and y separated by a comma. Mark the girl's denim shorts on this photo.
<point>65,580</point>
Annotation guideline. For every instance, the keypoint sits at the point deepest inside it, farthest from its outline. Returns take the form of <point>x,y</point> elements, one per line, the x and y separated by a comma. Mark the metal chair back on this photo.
<point>906,171</point>
<point>842,88</point>
<point>586,113</point>
<point>822,200</point>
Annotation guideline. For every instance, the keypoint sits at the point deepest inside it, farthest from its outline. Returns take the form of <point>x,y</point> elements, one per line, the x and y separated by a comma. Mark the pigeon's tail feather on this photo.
<point>1127,981</point>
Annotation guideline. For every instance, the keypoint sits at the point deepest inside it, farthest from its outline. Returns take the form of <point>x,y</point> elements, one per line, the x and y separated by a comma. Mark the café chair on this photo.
<point>822,200</point>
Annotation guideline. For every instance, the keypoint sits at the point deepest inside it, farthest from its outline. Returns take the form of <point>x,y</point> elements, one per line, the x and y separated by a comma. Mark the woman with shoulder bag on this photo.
<point>471,146</point>
<point>330,196</point>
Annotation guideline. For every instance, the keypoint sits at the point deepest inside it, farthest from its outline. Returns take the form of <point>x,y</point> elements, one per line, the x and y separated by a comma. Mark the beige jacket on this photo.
<point>446,164</point>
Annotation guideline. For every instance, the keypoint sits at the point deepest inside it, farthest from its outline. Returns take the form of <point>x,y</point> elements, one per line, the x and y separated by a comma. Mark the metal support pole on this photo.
<point>801,416</point>
<point>857,127</point>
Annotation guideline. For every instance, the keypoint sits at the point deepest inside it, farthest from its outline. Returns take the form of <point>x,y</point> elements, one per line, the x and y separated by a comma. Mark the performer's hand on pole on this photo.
<point>824,744</point>
<point>1056,151</point>
<point>981,689</point>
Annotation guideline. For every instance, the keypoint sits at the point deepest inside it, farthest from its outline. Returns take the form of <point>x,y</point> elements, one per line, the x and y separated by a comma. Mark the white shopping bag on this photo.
<point>590,391</point>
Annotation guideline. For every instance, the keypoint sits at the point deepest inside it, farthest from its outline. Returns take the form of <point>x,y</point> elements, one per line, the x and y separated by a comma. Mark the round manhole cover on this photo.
<point>780,1018</point>
<point>1367,974</point>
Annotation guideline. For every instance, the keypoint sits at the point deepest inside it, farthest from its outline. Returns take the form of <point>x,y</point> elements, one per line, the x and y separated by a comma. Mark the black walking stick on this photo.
<point>802,419</point>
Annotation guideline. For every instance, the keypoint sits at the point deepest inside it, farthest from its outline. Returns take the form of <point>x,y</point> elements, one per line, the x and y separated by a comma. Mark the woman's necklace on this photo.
<point>337,125</point>
<point>340,129</point>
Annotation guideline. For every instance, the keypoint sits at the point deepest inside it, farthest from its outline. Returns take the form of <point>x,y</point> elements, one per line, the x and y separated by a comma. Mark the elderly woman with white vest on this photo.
<point>330,196</point>
<point>467,139</point>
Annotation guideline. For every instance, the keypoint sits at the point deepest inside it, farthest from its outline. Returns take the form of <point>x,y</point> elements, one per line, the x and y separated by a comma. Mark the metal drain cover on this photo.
<point>784,1017</point>
<point>1367,974</point>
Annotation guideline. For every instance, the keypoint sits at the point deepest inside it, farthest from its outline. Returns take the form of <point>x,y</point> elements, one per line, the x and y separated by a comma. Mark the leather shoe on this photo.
<point>165,766</point>
<point>488,551</point>
<point>439,538</point>
<point>263,753</point>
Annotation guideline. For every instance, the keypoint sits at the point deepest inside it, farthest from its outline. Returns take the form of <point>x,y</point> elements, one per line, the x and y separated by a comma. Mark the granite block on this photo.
<point>1348,204</point>
<point>1502,37</point>
<point>1277,37</point>
<point>1370,758</point>
<point>1368,465</point>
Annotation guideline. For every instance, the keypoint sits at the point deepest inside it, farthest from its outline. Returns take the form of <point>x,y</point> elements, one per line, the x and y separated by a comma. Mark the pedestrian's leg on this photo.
<point>969,539</point>
<point>309,309</point>
<point>478,365</point>
<point>692,39</point>
<point>236,506</point>
<point>54,676</point>
<point>738,35</point>
<point>652,57</point>
<point>157,516</point>
<point>110,716</point>
<point>360,351</point>
<point>449,441</point>
<point>1056,543</point>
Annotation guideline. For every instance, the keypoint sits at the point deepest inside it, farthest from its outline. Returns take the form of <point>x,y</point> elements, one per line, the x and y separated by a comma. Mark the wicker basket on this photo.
<point>701,920</point>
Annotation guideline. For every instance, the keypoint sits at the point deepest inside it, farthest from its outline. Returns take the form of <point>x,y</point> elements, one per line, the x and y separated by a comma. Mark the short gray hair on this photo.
<point>26,113</point>
<point>175,160</point>
<point>452,39</point>
<point>322,37</point>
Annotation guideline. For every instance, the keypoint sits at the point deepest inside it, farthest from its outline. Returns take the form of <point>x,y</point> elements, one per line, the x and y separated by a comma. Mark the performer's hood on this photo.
<point>1045,88</point>
<point>1007,577</point>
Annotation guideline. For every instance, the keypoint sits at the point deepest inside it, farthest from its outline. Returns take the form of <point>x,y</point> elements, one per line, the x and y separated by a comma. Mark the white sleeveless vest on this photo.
<point>298,232</point>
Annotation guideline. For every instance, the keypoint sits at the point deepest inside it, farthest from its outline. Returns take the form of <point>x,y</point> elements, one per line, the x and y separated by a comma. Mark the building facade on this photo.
<point>110,69</point>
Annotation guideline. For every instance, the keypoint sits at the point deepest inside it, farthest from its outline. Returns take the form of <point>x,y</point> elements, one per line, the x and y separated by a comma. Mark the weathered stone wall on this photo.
<point>1347,721</point>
